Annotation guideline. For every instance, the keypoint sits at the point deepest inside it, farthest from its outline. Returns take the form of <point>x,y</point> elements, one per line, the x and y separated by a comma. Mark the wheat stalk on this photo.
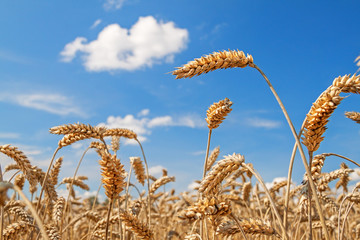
<point>213,157</point>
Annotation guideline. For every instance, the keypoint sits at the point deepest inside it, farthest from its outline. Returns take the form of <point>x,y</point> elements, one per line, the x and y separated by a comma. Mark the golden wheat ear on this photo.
<point>355,116</point>
<point>211,62</point>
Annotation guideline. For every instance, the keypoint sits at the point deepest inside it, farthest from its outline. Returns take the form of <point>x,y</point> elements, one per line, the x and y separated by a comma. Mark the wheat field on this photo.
<point>231,200</point>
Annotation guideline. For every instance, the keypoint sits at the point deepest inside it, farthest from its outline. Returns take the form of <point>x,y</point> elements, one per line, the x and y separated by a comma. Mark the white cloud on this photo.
<point>113,4</point>
<point>142,126</point>
<point>146,43</point>
<point>9,135</point>
<point>197,153</point>
<point>263,123</point>
<point>143,113</point>
<point>96,23</point>
<point>160,121</point>
<point>52,103</point>
<point>70,49</point>
<point>156,171</point>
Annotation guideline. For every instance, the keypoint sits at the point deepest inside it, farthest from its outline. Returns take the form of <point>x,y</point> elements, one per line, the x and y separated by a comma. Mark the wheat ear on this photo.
<point>214,117</point>
<point>220,171</point>
<point>346,84</point>
<point>211,62</point>
<point>160,182</point>
<point>140,230</point>
<point>249,226</point>
<point>355,116</point>
<point>139,170</point>
<point>54,174</point>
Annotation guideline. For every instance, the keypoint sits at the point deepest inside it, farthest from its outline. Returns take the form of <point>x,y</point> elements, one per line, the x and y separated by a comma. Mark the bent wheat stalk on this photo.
<point>230,59</point>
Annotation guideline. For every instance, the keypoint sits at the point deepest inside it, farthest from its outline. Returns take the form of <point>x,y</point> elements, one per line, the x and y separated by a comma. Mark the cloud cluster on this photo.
<point>52,103</point>
<point>147,42</point>
<point>142,125</point>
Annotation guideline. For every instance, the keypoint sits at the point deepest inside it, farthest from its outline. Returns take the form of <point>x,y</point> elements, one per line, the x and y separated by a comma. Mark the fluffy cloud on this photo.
<point>147,42</point>
<point>52,103</point>
<point>143,125</point>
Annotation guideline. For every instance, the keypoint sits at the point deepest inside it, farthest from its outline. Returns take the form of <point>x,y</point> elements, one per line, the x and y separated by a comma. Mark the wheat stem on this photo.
<point>71,184</point>
<point>207,153</point>
<point>111,201</point>
<point>309,199</point>
<point>1,211</point>
<point>148,182</point>
<point>291,164</point>
<point>312,185</point>
<point>261,181</point>
<point>33,212</point>
<point>46,177</point>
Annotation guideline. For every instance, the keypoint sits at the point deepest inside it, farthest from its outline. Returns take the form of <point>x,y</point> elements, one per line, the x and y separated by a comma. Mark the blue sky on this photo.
<point>108,61</point>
